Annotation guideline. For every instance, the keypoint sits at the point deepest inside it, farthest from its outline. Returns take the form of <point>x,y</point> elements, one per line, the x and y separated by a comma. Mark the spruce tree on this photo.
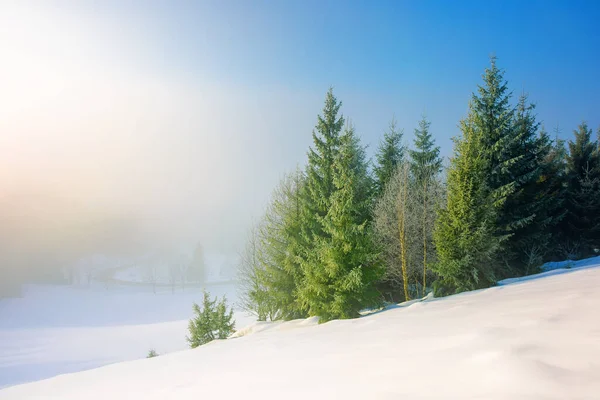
<point>425,161</point>
<point>582,222</point>
<point>492,119</point>
<point>316,193</point>
<point>152,353</point>
<point>281,241</point>
<point>318,187</point>
<point>270,271</point>
<point>425,166</point>
<point>388,157</point>
<point>551,193</point>
<point>342,280</point>
<point>213,321</point>
<point>464,235</point>
<point>513,151</point>
<point>254,295</point>
<point>524,214</point>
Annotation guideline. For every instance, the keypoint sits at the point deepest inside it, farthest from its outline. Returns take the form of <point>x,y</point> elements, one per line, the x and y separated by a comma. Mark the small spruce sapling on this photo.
<point>213,321</point>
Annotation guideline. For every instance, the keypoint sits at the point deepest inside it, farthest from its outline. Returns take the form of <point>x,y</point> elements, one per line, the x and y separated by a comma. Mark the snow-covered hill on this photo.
<point>528,339</point>
<point>54,330</point>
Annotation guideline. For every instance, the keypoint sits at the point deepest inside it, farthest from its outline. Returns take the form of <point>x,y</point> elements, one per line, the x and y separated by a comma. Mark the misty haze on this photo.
<point>299,199</point>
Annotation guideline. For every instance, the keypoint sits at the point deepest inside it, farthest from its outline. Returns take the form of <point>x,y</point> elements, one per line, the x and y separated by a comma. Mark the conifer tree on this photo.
<point>282,241</point>
<point>425,161</point>
<point>425,166</point>
<point>317,190</point>
<point>551,193</point>
<point>342,282</point>
<point>319,171</point>
<point>582,222</point>
<point>152,353</point>
<point>270,270</point>
<point>513,151</point>
<point>213,321</point>
<point>524,214</point>
<point>492,119</point>
<point>254,294</point>
<point>389,156</point>
<point>318,187</point>
<point>464,234</point>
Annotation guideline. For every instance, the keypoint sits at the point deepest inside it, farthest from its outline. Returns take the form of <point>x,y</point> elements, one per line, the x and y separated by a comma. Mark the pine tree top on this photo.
<point>389,156</point>
<point>491,106</point>
<point>584,156</point>
<point>390,148</point>
<point>329,124</point>
<point>326,143</point>
<point>425,158</point>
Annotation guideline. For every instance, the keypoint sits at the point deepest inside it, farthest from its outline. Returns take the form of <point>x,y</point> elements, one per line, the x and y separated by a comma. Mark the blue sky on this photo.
<point>400,57</point>
<point>187,113</point>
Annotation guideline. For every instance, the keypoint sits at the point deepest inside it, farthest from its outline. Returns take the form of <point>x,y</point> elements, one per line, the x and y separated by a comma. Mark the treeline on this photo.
<point>345,234</point>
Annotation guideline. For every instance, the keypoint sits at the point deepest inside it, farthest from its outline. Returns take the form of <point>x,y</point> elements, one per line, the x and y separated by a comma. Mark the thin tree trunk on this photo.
<point>424,236</point>
<point>402,228</point>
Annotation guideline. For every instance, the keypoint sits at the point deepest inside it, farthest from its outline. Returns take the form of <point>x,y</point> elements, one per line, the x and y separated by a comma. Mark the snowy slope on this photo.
<point>534,339</point>
<point>54,330</point>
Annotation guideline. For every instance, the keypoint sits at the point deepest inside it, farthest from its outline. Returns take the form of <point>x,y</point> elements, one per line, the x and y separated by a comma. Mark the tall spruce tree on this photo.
<point>319,171</point>
<point>511,144</point>
<point>425,165</point>
<point>582,222</point>
<point>316,198</point>
<point>464,236</point>
<point>388,157</point>
<point>524,214</point>
<point>492,119</point>
<point>342,282</point>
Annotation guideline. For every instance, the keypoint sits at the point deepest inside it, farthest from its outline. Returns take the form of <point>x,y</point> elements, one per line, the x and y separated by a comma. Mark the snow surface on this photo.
<point>54,330</point>
<point>534,338</point>
<point>556,268</point>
